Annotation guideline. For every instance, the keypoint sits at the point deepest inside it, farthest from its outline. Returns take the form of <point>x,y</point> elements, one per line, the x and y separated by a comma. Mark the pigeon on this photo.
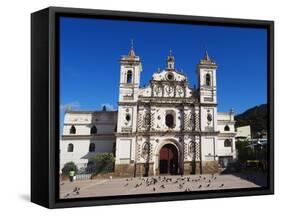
<point>77,192</point>
<point>208,185</point>
<point>180,186</point>
<point>162,186</point>
<point>221,185</point>
<point>209,180</point>
<point>199,186</point>
<point>127,179</point>
<point>66,195</point>
<point>126,185</point>
<point>154,189</point>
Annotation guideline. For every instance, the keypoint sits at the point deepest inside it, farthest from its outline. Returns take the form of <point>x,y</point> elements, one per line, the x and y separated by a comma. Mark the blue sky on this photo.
<point>90,50</point>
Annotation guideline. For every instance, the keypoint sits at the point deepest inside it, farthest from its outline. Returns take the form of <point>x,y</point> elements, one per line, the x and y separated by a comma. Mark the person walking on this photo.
<point>71,175</point>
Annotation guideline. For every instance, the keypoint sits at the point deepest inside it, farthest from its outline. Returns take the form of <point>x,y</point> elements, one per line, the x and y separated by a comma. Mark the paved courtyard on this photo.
<point>156,184</point>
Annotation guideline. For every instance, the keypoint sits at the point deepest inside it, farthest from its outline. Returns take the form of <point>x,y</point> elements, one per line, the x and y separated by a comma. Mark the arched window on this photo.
<point>70,147</point>
<point>72,130</point>
<point>129,76</point>
<point>169,120</point>
<point>92,147</point>
<point>94,129</point>
<point>208,80</point>
<point>227,143</point>
<point>226,128</point>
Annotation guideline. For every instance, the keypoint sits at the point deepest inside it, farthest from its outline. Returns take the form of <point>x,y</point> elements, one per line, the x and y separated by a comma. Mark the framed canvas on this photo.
<point>139,107</point>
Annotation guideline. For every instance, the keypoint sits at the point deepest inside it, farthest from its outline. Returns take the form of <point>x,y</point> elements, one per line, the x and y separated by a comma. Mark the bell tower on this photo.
<point>207,89</point>
<point>130,69</point>
<point>170,61</point>
<point>206,71</point>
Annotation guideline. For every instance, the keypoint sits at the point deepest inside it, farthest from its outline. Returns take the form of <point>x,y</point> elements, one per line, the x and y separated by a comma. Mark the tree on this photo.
<point>244,152</point>
<point>68,167</point>
<point>104,163</point>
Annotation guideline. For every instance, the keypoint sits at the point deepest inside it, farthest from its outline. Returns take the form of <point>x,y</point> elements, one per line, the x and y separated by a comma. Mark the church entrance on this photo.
<point>168,160</point>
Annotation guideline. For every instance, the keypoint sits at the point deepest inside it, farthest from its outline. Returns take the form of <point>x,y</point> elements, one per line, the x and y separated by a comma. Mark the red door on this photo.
<point>168,162</point>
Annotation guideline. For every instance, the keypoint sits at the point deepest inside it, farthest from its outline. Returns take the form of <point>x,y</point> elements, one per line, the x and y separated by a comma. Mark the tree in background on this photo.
<point>104,163</point>
<point>69,167</point>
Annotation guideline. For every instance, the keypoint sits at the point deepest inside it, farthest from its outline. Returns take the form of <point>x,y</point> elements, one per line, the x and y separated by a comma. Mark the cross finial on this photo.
<point>132,43</point>
<point>170,52</point>
<point>132,52</point>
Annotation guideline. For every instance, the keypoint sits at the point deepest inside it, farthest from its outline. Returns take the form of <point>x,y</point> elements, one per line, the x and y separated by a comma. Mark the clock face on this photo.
<point>169,90</point>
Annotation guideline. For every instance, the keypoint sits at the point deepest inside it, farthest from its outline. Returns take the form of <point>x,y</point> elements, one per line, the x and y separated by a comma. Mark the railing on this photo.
<point>83,176</point>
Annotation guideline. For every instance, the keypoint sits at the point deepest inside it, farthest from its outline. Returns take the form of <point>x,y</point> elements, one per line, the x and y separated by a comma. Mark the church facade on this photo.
<point>166,127</point>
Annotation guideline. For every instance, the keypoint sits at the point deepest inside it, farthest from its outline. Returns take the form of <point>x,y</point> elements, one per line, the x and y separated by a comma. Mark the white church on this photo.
<point>166,127</point>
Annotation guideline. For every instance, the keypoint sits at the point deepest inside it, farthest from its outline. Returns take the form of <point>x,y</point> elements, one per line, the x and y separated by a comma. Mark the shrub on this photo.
<point>104,163</point>
<point>68,167</point>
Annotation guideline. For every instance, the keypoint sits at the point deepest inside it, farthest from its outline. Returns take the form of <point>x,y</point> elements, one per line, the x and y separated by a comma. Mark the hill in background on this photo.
<point>256,117</point>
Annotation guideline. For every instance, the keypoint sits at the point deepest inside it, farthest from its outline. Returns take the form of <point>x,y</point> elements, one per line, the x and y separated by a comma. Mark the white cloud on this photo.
<point>74,105</point>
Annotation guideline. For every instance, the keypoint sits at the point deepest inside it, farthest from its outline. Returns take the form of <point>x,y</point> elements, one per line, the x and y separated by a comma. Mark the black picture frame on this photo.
<point>45,106</point>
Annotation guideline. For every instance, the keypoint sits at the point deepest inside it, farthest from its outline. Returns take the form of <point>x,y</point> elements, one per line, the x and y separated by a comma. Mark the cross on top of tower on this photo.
<point>170,61</point>
<point>132,44</point>
<point>132,52</point>
<point>170,56</point>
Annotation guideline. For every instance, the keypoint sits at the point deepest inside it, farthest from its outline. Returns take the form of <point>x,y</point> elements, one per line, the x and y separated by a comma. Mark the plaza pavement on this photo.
<point>156,184</point>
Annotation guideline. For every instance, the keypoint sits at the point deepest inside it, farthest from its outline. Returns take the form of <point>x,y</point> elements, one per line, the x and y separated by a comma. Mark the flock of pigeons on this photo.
<point>183,183</point>
<point>76,191</point>
<point>159,183</point>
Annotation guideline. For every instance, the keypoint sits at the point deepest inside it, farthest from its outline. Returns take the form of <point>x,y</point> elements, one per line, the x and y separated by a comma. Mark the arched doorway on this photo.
<point>168,160</point>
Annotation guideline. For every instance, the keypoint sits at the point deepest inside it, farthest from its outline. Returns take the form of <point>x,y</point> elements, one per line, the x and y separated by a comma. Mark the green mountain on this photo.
<point>256,117</point>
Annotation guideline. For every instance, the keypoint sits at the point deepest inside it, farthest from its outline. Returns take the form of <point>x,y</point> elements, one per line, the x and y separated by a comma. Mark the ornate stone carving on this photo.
<point>146,122</point>
<point>197,122</point>
<point>140,121</point>
<point>145,150</point>
<point>189,122</point>
<point>152,120</point>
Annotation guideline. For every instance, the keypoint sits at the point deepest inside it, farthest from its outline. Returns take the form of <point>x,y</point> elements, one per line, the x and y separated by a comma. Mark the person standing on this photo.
<point>71,175</point>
